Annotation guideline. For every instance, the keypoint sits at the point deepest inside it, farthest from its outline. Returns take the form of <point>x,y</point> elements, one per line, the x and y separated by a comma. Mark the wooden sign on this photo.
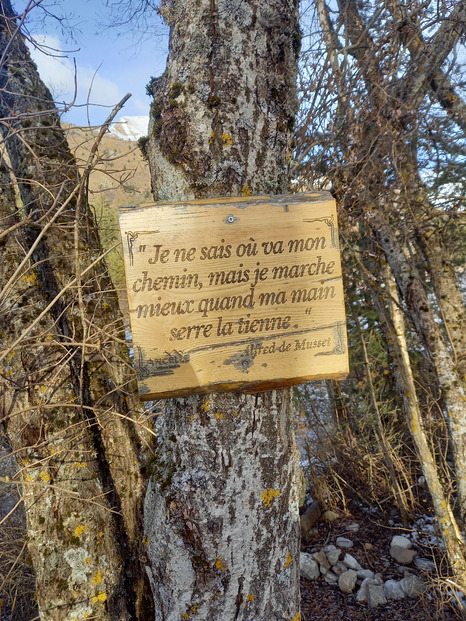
<point>234,293</point>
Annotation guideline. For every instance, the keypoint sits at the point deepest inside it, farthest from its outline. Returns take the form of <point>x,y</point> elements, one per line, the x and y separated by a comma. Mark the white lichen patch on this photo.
<point>80,612</point>
<point>77,560</point>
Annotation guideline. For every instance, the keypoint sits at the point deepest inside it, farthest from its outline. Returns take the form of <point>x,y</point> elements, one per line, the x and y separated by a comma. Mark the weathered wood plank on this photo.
<point>234,294</point>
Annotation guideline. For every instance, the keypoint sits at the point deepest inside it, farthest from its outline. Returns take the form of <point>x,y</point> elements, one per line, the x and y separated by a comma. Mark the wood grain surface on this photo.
<point>234,293</point>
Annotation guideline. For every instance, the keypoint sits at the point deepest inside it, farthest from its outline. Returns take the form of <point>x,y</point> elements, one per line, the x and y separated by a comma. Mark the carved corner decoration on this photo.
<point>339,330</point>
<point>131,238</point>
<point>238,294</point>
<point>330,222</point>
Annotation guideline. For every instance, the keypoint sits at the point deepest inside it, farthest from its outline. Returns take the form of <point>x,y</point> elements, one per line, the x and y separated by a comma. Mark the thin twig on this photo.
<point>54,301</point>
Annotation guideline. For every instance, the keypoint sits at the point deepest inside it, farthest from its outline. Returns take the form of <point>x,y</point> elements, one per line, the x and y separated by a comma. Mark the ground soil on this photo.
<point>320,601</point>
<point>325,602</point>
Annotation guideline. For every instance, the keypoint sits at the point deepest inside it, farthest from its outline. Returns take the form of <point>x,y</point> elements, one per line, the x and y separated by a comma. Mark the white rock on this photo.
<point>365,573</point>
<point>343,542</point>
<point>372,592</point>
<point>393,590</point>
<point>353,528</point>
<point>339,568</point>
<point>332,553</point>
<point>402,542</point>
<point>308,566</point>
<point>330,577</point>
<point>413,586</point>
<point>351,562</point>
<point>362,593</point>
<point>322,559</point>
<point>405,556</point>
<point>347,581</point>
<point>424,564</point>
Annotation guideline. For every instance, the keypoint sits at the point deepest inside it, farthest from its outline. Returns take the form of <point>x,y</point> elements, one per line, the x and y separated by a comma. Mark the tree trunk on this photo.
<point>387,142</point>
<point>451,533</point>
<point>381,153</point>
<point>67,385</point>
<point>430,239</point>
<point>414,295</point>
<point>222,506</point>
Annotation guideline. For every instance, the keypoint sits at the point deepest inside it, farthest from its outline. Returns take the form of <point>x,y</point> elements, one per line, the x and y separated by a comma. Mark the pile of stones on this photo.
<point>335,565</point>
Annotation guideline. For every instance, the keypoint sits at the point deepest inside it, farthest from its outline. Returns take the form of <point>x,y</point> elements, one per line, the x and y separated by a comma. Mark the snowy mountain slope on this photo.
<point>130,127</point>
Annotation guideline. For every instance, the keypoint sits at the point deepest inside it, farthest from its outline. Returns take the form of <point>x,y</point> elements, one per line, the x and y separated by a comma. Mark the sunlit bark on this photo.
<point>66,384</point>
<point>451,532</point>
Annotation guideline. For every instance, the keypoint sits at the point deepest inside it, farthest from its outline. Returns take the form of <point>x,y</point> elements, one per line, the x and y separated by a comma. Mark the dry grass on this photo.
<point>17,580</point>
<point>344,459</point>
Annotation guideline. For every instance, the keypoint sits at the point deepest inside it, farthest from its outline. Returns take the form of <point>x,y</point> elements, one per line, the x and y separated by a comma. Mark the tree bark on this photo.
<point>67,386</point>
<point>222,507</point>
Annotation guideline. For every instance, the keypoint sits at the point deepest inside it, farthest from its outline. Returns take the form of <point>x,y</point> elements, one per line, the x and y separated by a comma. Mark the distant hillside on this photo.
<point>121,177</point>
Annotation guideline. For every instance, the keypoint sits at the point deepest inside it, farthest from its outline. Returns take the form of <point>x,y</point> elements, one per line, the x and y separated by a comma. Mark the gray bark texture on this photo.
<point>66,383</point>
<point>221,513</point>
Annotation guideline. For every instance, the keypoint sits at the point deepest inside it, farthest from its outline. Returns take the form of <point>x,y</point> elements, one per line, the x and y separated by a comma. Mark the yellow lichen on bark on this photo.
<point>219,564</point>
<point>268,495</point>
<point>288,561</point>
<point>227,140</point>
<point>80,529</point>
<point>97,579</point>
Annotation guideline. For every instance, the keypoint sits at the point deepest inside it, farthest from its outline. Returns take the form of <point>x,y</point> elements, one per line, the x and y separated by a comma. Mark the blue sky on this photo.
<point>124,61</point>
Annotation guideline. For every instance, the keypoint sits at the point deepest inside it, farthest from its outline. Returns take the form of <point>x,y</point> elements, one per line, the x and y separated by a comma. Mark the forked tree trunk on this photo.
<point>398,348</point>
<point>222,508</point>
<point>448,354</point>
<point>412,291</point>
<point>451,533</point>
<point>66,385</point>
